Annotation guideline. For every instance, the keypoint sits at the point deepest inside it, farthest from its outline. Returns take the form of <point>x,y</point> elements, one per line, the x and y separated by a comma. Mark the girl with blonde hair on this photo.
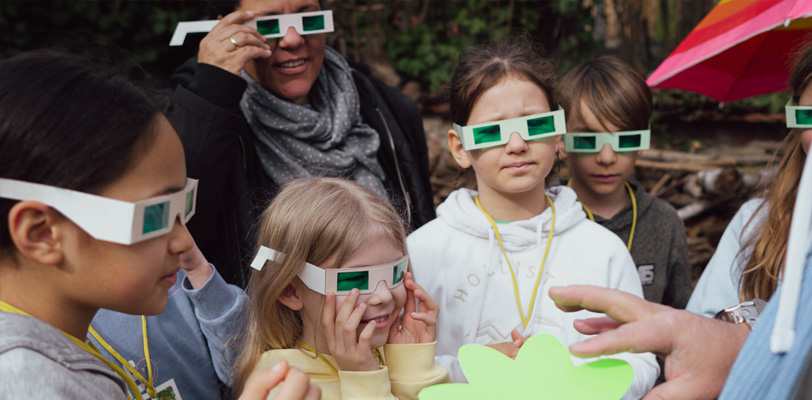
<point>749,260</point>
<point>329,292</point>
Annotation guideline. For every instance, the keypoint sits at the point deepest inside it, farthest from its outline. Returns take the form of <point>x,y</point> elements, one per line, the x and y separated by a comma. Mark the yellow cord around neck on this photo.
<point>148,382</point>
<point>302,344</point>
<point>634,212</point>
<point>88,348</point>
<point>525,319</point>
<point>319,355</point>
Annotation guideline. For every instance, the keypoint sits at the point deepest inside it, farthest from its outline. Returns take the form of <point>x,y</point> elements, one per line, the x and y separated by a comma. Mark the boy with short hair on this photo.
<point>608,106</point>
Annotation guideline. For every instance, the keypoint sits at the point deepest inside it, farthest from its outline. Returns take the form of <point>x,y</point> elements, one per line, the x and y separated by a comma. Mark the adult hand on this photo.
<point>698,351</point>
<point>218,49</point>
<point>351,353</point>
<point>295,384</point>
<point>195,266</point>
<point>510,349</point>
<point>419,324</point>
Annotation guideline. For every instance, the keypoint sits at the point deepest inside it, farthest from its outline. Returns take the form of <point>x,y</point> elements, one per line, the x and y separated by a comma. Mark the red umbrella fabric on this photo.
<point>742,48</point>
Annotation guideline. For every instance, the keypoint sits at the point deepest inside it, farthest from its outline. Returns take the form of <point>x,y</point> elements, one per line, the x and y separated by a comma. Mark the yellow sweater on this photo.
<point>409,368</point>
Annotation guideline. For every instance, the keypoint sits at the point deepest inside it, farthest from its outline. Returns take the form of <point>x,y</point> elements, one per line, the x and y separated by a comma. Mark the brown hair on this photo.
<point>611,89</point>
<point>310,220</point>
<point>483,68</point>
<point>766,246</point>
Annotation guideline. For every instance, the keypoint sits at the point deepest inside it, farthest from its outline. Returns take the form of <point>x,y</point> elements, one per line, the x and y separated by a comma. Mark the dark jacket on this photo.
<point>233,188</point>
<point>659,247</point>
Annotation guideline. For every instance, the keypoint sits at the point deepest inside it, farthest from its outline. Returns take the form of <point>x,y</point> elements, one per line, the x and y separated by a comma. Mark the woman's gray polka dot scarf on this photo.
<point>323,138</point>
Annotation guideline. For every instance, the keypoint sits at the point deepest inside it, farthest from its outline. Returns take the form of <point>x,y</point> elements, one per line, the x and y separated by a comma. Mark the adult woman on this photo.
<point>254,115</point>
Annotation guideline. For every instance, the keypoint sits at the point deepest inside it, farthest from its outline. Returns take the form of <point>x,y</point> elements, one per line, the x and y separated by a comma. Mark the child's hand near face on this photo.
<point>417,326</point>
<point>195,266</point>
<point>510,349</point>
<point>340,332</point>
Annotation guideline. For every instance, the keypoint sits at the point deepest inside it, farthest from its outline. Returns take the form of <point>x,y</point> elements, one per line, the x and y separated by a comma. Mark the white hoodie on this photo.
<point>459,261</point>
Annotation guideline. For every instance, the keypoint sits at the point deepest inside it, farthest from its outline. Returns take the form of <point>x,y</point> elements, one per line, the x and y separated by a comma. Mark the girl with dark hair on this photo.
<point>608,108</point>
<point>94,200</point>
<point>492,254</point>
<point>749,260</point>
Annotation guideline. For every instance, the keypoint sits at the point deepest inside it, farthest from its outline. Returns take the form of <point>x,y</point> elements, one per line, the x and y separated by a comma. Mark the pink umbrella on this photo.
<point>742,48</point>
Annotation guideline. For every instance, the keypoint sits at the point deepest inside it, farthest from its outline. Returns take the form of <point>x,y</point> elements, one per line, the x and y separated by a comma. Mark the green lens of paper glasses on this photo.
<point>347,281</point>
<point>803,117</point>
<point>583,143</point>
<point>629,141</point>
<point>397,274</point>
<point>313,23</point>
<point>540,126</point>
<point>487,134</point>
<point>268,27</point>
<point>156,217</point>
<point>190,202</point>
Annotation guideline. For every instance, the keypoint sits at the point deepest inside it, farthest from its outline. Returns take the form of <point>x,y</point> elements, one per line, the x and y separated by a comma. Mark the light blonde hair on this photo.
<point>310,220</point>
<point>766,247</point>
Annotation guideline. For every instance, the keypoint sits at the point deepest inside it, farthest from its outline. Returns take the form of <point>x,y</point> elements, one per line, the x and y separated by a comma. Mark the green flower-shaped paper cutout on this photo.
<point>543,369</point>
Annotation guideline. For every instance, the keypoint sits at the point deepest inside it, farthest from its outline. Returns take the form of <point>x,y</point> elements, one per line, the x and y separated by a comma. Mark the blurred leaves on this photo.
<point>133,36</point>
<point>425,47</point>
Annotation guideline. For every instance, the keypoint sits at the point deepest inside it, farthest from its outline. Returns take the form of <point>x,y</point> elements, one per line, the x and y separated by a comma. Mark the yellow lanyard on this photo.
<point>634,212</point>
<point>323,358</point>
<point>148,382</point>
<point>525,320</point>
<point>301,344</point>
<point>88,348</point>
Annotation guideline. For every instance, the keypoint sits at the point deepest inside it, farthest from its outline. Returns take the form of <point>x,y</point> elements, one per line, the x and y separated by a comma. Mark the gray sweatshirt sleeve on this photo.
<point>220,309</point>
<point>679,287</point>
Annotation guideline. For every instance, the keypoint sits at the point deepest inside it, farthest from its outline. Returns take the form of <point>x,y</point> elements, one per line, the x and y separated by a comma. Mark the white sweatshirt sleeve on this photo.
<point>718,287</point>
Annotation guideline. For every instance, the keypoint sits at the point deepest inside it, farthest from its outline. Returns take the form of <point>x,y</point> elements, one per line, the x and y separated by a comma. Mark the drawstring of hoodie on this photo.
<point>525,319</point>
<point>539,232</point>
<point>491,244</point>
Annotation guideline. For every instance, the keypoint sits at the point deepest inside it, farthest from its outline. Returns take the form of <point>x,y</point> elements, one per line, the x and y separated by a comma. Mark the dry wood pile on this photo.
<point>706,185</point>
<point>706,190</point>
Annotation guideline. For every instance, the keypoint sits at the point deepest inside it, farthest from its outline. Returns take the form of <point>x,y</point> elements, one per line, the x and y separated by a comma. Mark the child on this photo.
<point>749,260</point>
<point>186,352</point>
<point>490,256</point>
<point>331,285</point>
<point>92,182</point>
<point>88,161</point>
<point>608,107</point>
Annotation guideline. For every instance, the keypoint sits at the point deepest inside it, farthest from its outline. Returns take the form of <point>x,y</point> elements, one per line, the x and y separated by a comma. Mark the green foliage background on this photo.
<point>131,35</point>
<point>135,33</point>
<point>422,46</point>
<point>427,50</point>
